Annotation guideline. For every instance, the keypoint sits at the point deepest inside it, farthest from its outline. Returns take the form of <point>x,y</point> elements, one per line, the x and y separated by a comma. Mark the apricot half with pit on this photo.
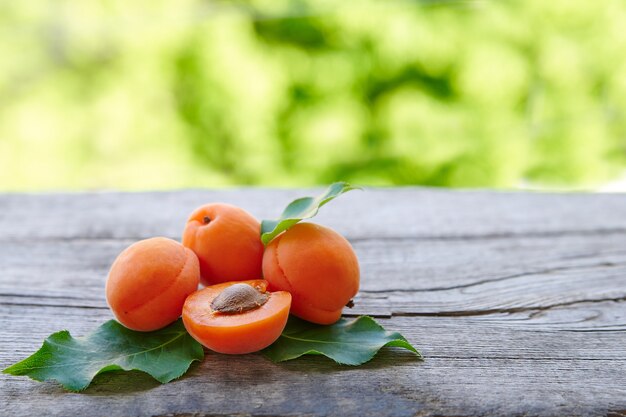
<point>236,317</point>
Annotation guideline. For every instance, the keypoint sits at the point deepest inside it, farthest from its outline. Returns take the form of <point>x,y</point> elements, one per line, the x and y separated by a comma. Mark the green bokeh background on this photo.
<point>151,94</point>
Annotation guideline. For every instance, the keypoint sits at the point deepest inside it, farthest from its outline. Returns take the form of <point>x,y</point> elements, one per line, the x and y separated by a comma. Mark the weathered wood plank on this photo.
<point>375,213</point>
<point>250,385</point>
<point>462,277</point>
<point>517,300</point>
<point>543,371</point>
<point>590,331</point>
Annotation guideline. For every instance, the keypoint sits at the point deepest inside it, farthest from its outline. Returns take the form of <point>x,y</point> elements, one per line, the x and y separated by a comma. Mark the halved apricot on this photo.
<point>236,317</point>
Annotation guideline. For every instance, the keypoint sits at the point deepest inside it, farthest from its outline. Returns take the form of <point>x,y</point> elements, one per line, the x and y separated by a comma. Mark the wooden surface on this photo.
<point>517,301</point>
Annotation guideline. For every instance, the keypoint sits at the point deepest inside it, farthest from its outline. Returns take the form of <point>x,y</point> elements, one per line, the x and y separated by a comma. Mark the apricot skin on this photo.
<point>149,282</point>
<point>238,333</point>
<point>228,247</point>
<point>317,266</point>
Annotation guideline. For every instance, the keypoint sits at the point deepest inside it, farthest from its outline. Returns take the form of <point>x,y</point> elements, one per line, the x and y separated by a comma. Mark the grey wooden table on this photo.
<point>517,301</point>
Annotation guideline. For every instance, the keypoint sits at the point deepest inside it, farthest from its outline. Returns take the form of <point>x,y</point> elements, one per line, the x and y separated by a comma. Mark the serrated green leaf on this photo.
<point>165,354</point>
<point>302,208</point>
<point>346,342</point>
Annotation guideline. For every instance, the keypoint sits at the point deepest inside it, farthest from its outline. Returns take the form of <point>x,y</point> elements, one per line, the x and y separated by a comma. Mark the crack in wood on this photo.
<point>621,328</point>
<point>519,358</point>
<point>58,297</point>
<point>491,280</point>
<point>455,313</point>
<point>512,310</point>
<point>226,415</point>
<point>54,305</point>
<point>497,236</point>
<point>354,239</point>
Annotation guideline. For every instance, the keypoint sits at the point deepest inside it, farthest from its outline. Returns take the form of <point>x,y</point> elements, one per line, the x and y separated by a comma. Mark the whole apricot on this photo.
<point>227,241</point>
<point>236,317</point>
<point>149,282</point>
<point>317,266</point>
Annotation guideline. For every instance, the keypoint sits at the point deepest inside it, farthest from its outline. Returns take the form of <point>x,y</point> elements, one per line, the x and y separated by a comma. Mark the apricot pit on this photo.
<point>239,298</point>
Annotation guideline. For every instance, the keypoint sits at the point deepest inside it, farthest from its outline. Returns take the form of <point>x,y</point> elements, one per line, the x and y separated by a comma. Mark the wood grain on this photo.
<point>375,213</point>
<point>517,301</point>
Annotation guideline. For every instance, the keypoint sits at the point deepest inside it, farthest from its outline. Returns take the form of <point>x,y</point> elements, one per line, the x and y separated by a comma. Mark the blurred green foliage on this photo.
<point>159,94</point>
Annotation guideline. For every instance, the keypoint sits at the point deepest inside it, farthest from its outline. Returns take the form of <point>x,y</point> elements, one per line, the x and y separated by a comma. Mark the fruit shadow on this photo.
<point>387,357</point>
<point>117,382</point>
<point>124,382</point>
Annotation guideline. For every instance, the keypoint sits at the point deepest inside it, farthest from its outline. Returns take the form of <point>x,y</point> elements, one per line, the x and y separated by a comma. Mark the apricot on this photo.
<point>149,282</point>
<point>317,266</point>
<point>227,241</point>
<point>236,317</point>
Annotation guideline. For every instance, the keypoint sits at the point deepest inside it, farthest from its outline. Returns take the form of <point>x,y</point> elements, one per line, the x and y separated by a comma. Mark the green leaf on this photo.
<point>302,208</point>
<point>346,342</point>
<point>165,354</point>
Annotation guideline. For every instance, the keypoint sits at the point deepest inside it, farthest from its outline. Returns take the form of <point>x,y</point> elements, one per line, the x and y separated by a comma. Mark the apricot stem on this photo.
<point>350,304</point>
<point>206,220</point>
